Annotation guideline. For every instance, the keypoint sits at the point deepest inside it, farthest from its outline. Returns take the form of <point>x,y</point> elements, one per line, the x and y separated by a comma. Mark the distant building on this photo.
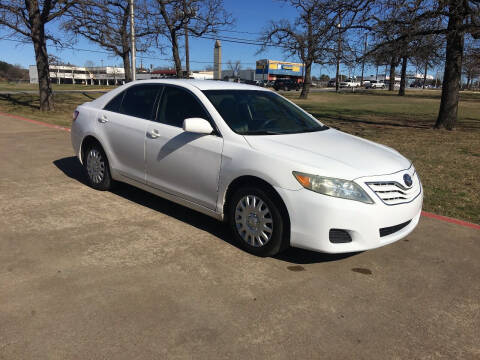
<point>68,74</point>
<point>247,74</point>
<point>386,77</point>
<point>201,75</point>
<point>273,70</point>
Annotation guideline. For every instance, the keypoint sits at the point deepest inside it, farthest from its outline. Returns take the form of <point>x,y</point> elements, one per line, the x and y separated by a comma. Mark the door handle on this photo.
<point>102,120</point>
<point>154,134</point>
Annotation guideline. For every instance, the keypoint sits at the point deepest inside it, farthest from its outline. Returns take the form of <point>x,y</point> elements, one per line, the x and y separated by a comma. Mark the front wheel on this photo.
<point>257,222</point>
<point>97,167</point>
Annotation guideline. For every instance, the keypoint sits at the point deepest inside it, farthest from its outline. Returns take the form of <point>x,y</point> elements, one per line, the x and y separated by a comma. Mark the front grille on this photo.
<point>393,229</point>
<point>394,193</point>
<point>339,236</point>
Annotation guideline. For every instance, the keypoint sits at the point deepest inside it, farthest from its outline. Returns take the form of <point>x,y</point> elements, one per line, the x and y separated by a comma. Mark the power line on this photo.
<point>240,32</point>
<point>208,37</point>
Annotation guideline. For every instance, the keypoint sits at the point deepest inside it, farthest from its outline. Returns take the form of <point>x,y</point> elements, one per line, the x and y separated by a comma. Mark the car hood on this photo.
<point>332,153</point>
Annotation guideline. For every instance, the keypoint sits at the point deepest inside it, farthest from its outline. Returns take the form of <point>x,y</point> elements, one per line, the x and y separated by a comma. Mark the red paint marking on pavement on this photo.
<point>36,122</point>
<point>451,220</point>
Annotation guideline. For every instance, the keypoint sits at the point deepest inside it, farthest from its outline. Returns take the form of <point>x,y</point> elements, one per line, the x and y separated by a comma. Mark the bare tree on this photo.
<point>172,18</point>
<point>454,19</point>
<point>234,67</point>
<point>471,62</point>
<point>27,19</point>
<point>428,53</point>
<point>106,23</point>
<point>314,34</point>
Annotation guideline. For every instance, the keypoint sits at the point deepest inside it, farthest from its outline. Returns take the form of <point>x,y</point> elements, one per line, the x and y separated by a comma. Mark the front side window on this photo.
<point>252,112</point>
<point>139,101</point>
<point>177,105</point>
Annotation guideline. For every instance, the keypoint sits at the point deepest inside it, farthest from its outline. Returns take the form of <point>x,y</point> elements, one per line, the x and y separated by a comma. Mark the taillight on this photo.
<point>75,115</point>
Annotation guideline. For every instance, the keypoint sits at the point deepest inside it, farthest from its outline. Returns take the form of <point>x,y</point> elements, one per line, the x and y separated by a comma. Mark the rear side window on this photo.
<point>139,101</point>
<point>179,104</point>
<point>114,104</point>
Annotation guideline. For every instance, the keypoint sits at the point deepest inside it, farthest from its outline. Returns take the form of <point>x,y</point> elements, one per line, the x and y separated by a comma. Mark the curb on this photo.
<point>52,126</point>
<point>424,213</point>
<point>451,220</point>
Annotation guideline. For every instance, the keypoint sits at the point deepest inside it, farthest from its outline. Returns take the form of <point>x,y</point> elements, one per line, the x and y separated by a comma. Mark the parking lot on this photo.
<point>124,274</point>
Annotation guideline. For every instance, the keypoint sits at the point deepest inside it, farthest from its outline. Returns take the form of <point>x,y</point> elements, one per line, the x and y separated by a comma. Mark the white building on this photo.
<point>247,74</point>
<point>105,75</point>
<point>202,75</point>
<point>65,74</point>
<point>386,77</point>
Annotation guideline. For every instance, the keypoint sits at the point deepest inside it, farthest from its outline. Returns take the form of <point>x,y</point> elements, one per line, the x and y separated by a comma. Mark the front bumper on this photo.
<point>313,215</point>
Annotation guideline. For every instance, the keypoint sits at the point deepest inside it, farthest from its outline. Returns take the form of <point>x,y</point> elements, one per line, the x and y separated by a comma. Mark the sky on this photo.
<point>251,17</point>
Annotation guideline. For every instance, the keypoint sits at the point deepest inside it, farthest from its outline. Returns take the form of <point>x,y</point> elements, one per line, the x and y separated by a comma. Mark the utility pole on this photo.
<point>132,35</point>
<point>187,50</point>
<point>363,59</point>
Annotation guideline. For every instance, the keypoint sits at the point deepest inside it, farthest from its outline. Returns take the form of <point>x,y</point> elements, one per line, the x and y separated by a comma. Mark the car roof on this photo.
<point>203,84</point>
<point>187,83</point>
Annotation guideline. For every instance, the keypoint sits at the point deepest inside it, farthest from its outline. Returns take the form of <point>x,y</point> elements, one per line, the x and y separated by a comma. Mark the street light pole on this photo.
<point>132,38</point>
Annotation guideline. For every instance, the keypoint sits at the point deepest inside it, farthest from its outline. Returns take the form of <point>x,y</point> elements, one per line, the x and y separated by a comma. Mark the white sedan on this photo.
<point>252,158</point>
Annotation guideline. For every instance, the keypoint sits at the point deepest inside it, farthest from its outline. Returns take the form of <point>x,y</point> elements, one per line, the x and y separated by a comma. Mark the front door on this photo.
<point>181,163</point>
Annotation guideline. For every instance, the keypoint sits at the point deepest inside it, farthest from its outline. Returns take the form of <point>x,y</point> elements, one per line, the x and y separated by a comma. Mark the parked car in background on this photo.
<point>332,83</point>
<point>349,84</point>
<point>286,84</point>
<point>375,84</point>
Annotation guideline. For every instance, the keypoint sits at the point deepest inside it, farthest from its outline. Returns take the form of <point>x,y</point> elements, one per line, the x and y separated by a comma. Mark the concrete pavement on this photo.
<point>126,275</point>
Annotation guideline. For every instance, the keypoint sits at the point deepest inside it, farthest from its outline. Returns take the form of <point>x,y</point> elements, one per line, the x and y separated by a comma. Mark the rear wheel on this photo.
<point>97,168</point>
<point>257,222</point>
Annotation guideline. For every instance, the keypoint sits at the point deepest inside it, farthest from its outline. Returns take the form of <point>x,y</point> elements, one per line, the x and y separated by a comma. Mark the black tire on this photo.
<point>280,237</point>
<point>102,180</point>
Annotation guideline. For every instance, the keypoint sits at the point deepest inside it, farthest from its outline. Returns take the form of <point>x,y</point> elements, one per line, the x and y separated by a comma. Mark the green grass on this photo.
<point>12,86</point>
<point>448,161</point>
<point>27,105</point>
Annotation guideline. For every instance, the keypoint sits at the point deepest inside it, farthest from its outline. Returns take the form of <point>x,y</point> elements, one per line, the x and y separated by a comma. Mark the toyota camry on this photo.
<point>248,156</point>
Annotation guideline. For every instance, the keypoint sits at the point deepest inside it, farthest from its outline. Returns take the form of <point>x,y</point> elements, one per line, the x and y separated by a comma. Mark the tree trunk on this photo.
<point>41,58</point>
<point>447,115</point>
<point>307,80</point>
<point>127,66</point>
<point>187,53</point>
<point>403,78</point>
<point>425,75</point>
<point>393,65</point>
<point>176,54</point>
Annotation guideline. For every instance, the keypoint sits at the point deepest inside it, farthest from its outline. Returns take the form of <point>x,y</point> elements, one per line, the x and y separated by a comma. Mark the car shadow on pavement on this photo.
<point>72,168</point>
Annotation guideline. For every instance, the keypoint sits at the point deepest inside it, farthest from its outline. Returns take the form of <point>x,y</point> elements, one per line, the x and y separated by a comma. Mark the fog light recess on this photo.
<point>339,236</point>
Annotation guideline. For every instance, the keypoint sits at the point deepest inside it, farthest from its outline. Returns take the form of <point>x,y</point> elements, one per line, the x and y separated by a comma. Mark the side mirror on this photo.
<point>197,125</point>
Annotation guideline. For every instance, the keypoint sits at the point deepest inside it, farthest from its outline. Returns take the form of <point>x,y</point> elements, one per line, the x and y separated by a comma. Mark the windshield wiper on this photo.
<point>261,132</point>
<point>320,128</point>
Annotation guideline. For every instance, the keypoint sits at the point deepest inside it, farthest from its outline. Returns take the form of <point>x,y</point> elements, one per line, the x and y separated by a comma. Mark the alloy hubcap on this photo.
<point>95,166</point>
<point>253,221</point>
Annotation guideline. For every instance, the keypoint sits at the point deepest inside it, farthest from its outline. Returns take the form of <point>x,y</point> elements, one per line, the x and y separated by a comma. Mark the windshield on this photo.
<point>251,112</point>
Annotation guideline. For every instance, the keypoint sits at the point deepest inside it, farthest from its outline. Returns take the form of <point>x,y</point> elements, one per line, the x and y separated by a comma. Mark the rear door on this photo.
<point>123,125</point>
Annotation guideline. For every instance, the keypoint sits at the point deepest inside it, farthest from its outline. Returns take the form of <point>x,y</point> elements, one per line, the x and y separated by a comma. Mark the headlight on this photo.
<point>333,187</point>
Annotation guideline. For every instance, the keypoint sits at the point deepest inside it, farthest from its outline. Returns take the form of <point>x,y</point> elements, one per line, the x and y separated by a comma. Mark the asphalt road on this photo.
<point>126,275</point>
